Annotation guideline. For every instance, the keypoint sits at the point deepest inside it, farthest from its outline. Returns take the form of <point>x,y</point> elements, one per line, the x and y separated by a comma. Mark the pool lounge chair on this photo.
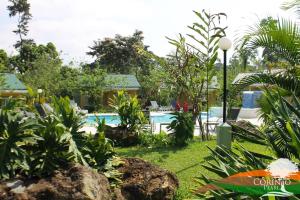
<point>77,108</point>
<point>165,108</point>
<point>251,115</point>
<point>154,105</point>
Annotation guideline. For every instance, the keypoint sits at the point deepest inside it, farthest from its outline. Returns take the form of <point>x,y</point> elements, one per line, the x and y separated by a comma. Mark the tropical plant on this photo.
<point>182,128</point>
<point>37,146</point>
<point>148,139</point>
<point>111,172</point>
<point>73,122</point>
<point>292,4</point>
<point>51,151</point>
<point>192,66</point>
<point>16,132</point>
<point>287,80</point>
<point>281,136</point>
<point>129,111</point>
<point>98,148</point>
<point>281,38</point>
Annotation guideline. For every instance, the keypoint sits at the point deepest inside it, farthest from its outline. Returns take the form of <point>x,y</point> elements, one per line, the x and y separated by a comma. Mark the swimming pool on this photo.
<point>114,119</point>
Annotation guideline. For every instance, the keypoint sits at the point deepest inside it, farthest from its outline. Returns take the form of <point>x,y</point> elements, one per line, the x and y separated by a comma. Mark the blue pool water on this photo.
<point>114,119</point>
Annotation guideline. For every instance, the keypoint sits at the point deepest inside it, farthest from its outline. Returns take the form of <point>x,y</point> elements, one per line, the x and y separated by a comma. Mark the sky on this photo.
<point>73,25</point>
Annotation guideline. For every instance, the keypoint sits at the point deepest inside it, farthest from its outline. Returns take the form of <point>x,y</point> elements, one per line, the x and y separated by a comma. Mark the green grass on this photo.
<point>184,162</point>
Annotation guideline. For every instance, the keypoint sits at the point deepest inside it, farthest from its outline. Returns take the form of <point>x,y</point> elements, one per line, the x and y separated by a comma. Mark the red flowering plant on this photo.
<point>185,107</point>
<point>177,107</point>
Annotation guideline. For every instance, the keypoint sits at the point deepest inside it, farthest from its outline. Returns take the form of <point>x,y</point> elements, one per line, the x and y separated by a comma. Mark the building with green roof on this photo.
<point>11,86</point>
<point>113,83</point>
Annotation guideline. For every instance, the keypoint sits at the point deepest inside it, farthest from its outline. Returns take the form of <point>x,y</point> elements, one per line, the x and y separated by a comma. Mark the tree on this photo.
<point>92,84</point>
<point>192,66</point>
<point>292,4</point>
<point>155,86</point>
<point>69,78</point>
<point>44,74</point>
<point>29,53</point>
<point>21,9</point>
<point>245,55</point>
<point>281,39</point>
<point>4,61</point>
<point>119,54</point>
<point>207,36</point>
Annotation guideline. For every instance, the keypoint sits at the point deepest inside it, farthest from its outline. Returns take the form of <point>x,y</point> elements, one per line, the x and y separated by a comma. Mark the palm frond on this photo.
<point>282,39</point>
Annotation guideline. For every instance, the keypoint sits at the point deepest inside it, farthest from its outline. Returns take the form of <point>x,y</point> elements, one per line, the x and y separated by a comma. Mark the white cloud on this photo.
<point>74,24</point>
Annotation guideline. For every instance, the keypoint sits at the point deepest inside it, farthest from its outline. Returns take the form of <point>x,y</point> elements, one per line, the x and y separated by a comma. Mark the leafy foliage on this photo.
<point>15,133</point>
<point>99,149</point>
<point>182,128</point>
<point>111,172</point>
<point>192,66</point>
<point>281,135</point>
<point>21,9</point>
<point>281,38</point>
<point>287,80</point>
<point>51,151</point>
<point>73,122</point>
<point>119,55</point>
<point>38,146</point>
<point>148,139</point>
<point>129,110</point>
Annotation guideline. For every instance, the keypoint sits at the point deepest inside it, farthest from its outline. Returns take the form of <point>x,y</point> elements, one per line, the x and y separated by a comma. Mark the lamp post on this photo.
<point>224,134</point>
<point>39,91</point>
<point>224,44</point>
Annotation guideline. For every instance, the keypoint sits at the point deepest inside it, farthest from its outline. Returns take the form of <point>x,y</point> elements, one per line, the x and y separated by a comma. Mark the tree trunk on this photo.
<point>196,117</point>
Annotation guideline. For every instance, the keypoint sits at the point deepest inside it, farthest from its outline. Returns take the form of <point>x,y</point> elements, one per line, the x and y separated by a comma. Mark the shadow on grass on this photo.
<point>140,151</point>
<point>197,164</point>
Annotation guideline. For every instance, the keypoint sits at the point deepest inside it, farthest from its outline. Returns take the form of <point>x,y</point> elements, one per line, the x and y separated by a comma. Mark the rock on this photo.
<point>76,183</point>
<point>16,186</point>
<point>144,181</point>
<point>121,136</point>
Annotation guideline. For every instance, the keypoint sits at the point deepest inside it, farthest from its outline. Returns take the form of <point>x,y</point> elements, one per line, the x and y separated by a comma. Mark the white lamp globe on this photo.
<point>224,43</point>
<point>39,91</point>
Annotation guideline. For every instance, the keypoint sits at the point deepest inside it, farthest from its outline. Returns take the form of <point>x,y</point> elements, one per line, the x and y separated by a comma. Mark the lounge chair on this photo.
<point>40,109</point>
<point>77,108</point>
<point>251,115</point>
<point>154,105</point>
<point>165,108</point>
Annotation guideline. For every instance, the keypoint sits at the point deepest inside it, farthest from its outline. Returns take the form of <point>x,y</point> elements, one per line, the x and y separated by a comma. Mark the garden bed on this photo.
<point>184,162</point>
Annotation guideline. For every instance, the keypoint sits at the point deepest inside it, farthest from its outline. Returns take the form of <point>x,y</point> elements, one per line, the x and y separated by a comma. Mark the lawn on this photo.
<point>184,162</point>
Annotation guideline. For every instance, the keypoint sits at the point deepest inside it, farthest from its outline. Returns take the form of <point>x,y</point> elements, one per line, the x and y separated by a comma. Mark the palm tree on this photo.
<point>283,40</point>
<point>294,4</point>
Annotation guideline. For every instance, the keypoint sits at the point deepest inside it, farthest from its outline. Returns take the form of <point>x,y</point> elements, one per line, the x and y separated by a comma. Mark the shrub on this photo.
<point>38,146</point>
<point>182,128</point>
<point>16,132</point>
<point>51,151</point>
<point>99,149</point>
<point>148,139</point>
<point>129,110</point>
<point>280,135</point>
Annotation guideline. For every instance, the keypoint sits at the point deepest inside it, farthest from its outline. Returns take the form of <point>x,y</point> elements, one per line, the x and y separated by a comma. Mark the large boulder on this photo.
<point>121,136</point>
<point>144,181</point>
<point>76,183</point>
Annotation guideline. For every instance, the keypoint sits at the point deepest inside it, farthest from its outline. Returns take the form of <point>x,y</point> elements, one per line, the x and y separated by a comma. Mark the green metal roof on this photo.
<point>121,81</point>
<point>11,82</point>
